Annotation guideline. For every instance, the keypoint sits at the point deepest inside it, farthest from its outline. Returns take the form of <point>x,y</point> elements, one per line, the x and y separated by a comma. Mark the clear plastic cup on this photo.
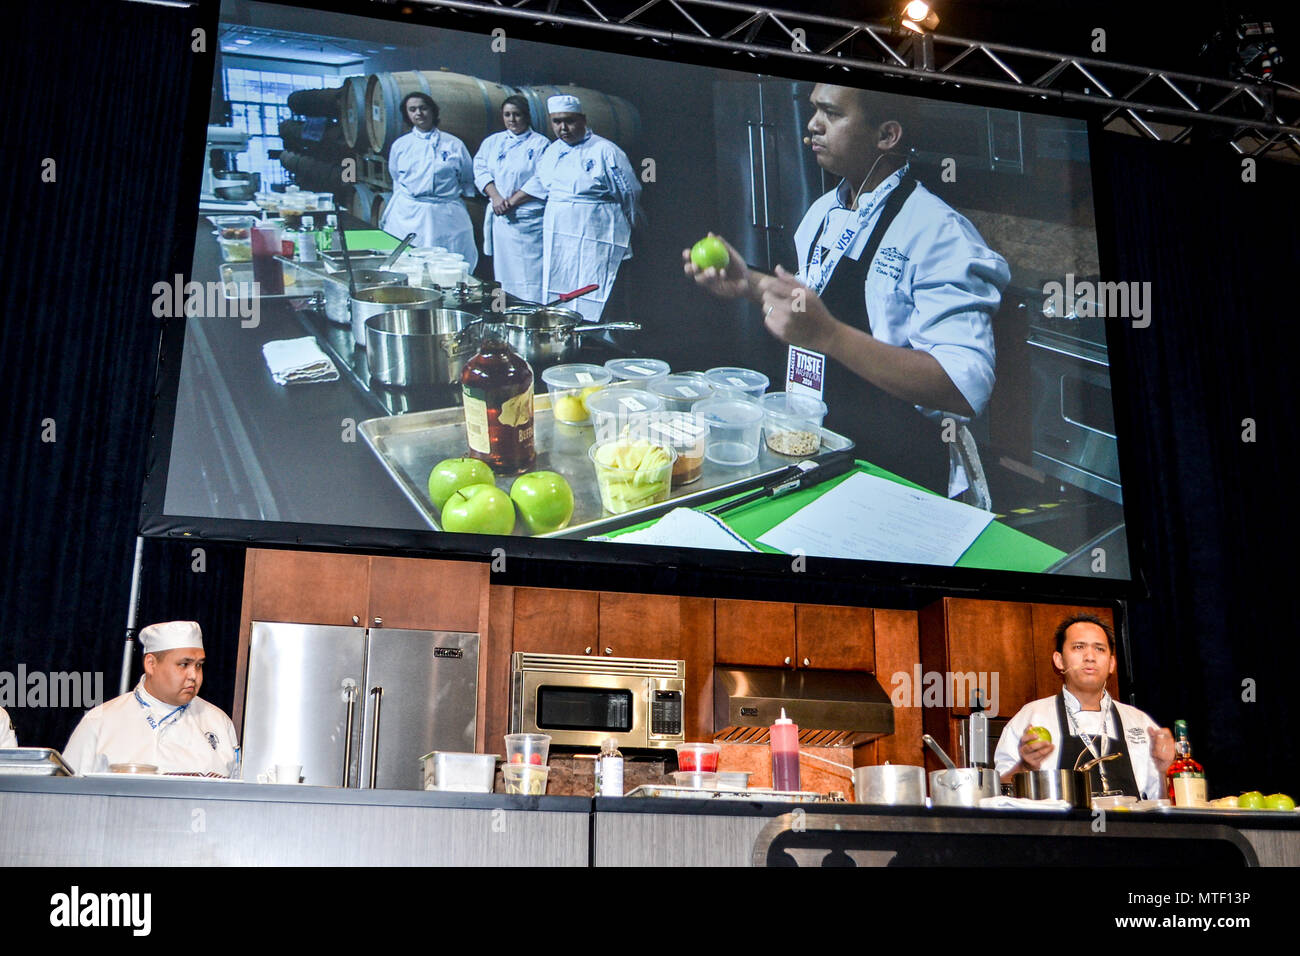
<point>612,408</point>
<point>792,423</point>
<point>642,370</point>
<point>684,432</point>
<point>680,392</point>
<point>525,779</point>
<point>527,749</point>
<point>698,757</point>
<point>694,780</point>
<point>734,428</point>
<point>632,473</point>
<point>745,381</point>
<point>569,387</point>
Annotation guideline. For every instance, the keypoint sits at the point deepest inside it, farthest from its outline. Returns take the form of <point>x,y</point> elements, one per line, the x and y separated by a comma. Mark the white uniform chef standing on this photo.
<point>8,738</point>
<point>591,195</point>
<point>163,721</point>
<point>431,171</point>
<point>512,230</point>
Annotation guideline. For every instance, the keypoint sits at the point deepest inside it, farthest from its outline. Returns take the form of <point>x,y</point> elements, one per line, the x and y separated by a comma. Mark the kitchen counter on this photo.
<point>140,821</point>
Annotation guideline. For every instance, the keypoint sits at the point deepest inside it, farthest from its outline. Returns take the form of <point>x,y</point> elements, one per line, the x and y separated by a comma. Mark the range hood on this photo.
<point>832,708</point>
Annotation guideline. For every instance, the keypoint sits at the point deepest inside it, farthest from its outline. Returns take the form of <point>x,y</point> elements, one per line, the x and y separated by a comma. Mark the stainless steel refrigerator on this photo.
<point>357,707</point>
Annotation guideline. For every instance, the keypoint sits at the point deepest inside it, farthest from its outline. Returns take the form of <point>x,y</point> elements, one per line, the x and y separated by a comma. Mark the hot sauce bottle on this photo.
<point>497,385</point>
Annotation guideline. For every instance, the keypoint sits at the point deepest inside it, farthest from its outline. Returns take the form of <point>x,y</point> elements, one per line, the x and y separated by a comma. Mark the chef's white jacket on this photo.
<point>933,285</point>
<point>195,738</point>
<point>591,194</point>
<point>1042,713</point>
<point>514,240</point>
<point>8,738</point>
<point>431,172</point>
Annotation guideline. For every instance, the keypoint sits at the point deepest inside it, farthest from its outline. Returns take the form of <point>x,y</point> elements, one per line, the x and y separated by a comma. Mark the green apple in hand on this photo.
<point>453,474</point>
<point>479,509</point>
<point>1042,733</point>
<point>710,252</point>
<point>1251,800</point>
<point>544,500</point>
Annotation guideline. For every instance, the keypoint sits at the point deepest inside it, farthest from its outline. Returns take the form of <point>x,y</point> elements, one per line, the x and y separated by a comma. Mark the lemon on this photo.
<point>570,408</point>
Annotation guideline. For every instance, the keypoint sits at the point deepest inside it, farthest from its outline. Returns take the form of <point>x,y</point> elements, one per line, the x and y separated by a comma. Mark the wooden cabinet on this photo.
<point>550,621</point>
<point>834,638</point>
<point>639,625</point>
<point>306,587</point>
<point>426,595</point>
<point>754,633</point>
<point>1046,618</point>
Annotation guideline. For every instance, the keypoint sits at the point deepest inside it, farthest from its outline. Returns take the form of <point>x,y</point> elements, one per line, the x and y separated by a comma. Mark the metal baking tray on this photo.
<point>33,762</point>
<point>410,445</point>
<point>753,793</point>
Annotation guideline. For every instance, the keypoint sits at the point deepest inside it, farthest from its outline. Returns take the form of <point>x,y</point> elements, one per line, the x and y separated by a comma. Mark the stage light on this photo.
<point>919,17</point>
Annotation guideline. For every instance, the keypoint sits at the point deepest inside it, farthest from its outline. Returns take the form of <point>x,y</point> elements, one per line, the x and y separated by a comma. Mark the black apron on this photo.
<point>888,431</point>
<point>1119,773</point>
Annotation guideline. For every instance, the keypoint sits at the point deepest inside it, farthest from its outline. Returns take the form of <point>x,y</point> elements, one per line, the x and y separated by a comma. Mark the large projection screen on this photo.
<point>949,304</point>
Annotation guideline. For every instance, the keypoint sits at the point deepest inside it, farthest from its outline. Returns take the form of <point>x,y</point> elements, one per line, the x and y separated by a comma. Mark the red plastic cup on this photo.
<point>701,758</point>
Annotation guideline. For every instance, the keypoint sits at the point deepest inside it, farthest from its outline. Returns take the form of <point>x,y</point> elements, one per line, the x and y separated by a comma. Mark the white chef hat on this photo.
<point>170,635</point>
<point>564,103</point>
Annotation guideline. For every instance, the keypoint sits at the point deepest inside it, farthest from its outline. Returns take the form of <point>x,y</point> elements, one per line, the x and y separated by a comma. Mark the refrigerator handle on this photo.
<point>762,153</point>
<point>378,694</point>
<point>753,182</point>
<point>350,689</point>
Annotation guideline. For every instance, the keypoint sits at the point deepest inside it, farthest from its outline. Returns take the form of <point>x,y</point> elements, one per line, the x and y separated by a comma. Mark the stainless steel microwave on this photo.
<point>581,701</point>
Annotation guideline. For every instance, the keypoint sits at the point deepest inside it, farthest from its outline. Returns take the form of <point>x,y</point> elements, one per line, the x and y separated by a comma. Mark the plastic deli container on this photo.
<point>643,370</point>
<point>702,757</point>
<point>527,749</point>
<point>792,423</point>
<point>684,432</point>
<point>680,392</point>
<point>734,427</point>
<point>612,409</point>
<point>743,380</point>
<point>525,779</point>
<point>569,386</point>
<point>696,781</point>
<point>632,473</point>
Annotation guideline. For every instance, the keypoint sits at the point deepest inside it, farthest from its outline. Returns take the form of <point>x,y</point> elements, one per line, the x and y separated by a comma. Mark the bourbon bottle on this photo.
<point>1186,777</point>
<point>497,385</point>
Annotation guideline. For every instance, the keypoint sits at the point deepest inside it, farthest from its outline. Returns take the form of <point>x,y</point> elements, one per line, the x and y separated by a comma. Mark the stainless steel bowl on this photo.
<point>408,347</point>
<point>890,785</point>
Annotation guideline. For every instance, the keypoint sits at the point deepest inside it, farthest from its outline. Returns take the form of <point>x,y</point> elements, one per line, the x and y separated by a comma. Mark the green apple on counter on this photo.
<point>1278,801</point>
<point>479,509</point>
<point>544,500</point>
<point>710,252</point>
<point>452,474</point>
<point>1251,800</point>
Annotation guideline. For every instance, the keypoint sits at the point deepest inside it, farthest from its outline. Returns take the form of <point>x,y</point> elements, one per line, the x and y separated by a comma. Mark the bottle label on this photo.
<point>476,424</point>
<point>1189,790</point>
<point>611,777</point>
<point>517,411</point>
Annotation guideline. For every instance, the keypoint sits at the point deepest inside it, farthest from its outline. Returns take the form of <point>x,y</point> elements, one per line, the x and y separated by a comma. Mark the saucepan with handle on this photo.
<point>959,786</point>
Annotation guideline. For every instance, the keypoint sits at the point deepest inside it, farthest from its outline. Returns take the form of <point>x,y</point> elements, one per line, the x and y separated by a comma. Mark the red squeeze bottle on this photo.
<point>785,753</point>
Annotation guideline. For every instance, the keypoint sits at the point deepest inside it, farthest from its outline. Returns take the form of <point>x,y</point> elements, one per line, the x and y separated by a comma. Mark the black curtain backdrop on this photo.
<point>101,88</point>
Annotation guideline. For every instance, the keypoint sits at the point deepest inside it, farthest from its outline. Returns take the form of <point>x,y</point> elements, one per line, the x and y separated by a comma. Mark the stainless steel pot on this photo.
<point>544,335</point>
<point>368,302</point>
<point>963,787</point>
<point>420,346</point>
<point>1071,785</point>
<point>890,785</point>
<point>336,292</point>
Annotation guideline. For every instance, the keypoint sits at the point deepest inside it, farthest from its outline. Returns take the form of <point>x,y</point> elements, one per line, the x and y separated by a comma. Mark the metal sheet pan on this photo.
<point>410,445</point>
<point>308,283</point>
<point>33,762</point>
<point>690,793</point>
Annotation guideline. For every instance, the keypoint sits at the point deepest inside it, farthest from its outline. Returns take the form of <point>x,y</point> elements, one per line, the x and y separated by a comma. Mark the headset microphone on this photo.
<point>807,141</point>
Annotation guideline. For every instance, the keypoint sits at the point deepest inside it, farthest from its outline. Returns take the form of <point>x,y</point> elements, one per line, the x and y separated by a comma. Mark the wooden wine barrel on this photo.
<point>315,102</point>
<point>352,113</point>
<point>329,146</point>
<point>312,172</point>
<point>382,199</point>
<point>611,116</point>
<point>365,204</point>
<point>469,108</point>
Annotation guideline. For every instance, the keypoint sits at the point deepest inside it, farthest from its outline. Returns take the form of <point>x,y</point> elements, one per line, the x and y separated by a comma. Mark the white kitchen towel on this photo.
<point>1022,803</point>
<point>684,528</point>
<point>298,361</point>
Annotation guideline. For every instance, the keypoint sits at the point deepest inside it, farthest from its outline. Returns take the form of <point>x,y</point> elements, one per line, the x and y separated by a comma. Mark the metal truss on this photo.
<point>1254,119</point>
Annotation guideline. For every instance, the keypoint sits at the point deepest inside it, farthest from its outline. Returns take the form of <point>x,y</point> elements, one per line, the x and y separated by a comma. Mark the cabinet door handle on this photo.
<point>587,651</point>
<point>379,622</point>
<point>356,619</point>
<point>787,660</point>
<point>609,650</point>
<point>806,662</point>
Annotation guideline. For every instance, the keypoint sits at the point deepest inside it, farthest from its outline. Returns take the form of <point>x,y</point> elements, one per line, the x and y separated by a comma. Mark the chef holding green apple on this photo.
<point>1083,722</point>
<point>892,283</point>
